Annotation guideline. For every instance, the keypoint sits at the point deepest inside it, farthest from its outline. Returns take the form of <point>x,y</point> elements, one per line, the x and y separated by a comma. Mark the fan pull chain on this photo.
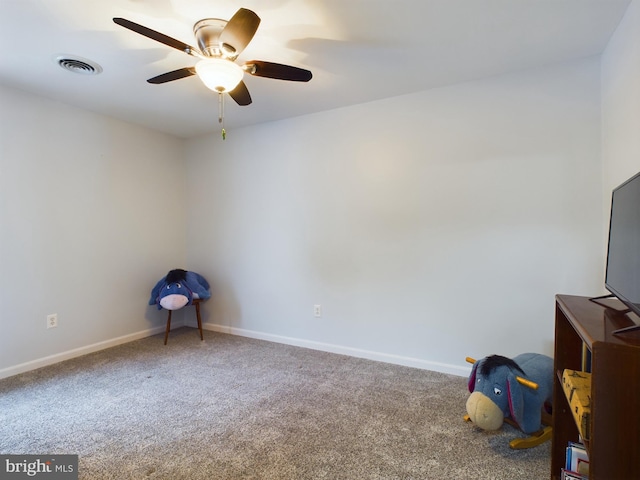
<point>221,115</point>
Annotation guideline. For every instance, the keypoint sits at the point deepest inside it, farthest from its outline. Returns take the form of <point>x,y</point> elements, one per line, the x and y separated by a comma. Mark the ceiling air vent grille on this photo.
<point>78,65</point>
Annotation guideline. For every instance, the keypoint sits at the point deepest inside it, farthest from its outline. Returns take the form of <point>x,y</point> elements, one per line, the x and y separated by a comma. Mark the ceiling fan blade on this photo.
<point>241,94</point>
<point>157,36</point>
<point>174,75</point>
<point>238,32</point>
<point>278,71</point>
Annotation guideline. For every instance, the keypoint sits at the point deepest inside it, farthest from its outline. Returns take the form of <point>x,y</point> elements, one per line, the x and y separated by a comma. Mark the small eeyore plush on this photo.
<point>178,288</point>
<point>517,388</point>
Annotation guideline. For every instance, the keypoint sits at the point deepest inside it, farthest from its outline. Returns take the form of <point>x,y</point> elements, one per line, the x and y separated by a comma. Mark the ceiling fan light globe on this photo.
<point>218,74</point>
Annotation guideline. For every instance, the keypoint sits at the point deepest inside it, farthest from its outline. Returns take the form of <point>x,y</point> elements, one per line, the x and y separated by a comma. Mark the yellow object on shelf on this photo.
<point>577,389</point>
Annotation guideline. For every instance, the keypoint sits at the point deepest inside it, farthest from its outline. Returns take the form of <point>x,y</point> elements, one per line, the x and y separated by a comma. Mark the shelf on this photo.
<point>615,386</point>
<point>595,323</point>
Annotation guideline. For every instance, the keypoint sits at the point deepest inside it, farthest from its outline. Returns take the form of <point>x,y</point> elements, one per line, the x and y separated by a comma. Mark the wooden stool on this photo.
<point>196,303</point>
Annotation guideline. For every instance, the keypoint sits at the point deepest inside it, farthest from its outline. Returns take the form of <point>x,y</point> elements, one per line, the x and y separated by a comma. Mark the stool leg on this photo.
<point>166,334</point>
<point>199,320</point>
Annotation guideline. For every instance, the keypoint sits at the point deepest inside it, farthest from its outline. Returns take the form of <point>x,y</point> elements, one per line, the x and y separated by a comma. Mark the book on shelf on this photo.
<point>577,461</point>
<point>569,475</point>
<point>577,388</point>
<point>586,358</point>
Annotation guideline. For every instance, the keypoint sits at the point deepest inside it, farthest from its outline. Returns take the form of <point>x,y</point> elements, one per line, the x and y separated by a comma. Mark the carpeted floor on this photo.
<point>237,408</point>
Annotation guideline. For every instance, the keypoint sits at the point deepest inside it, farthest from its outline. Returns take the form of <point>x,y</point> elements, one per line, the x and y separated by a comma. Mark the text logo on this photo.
<point>49,467</point>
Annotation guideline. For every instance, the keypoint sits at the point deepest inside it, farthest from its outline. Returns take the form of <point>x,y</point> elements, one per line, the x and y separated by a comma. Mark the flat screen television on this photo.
<point>622,277</point>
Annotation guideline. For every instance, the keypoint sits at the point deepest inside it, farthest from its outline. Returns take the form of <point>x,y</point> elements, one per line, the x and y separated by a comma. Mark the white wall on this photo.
<point>429,227</point>
<point>91,216</point>
<point>621,104</point>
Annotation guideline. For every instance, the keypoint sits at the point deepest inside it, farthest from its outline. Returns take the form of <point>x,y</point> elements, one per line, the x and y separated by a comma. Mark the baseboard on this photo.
<point>298,342</point>
<point>78,352</point>
<point>461,371</point>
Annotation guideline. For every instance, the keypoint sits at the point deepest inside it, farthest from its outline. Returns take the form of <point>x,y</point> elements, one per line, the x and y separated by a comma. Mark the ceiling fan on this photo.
<point>220,42</point>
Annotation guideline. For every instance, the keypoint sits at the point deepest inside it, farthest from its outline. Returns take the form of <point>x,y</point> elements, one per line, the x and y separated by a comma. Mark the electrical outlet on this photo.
<point>52,320</point>
<point>317,310</point>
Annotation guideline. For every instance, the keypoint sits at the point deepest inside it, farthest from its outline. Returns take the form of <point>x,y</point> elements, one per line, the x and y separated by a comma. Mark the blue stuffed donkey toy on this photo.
<point>515,388</point>
<point>178,288</point>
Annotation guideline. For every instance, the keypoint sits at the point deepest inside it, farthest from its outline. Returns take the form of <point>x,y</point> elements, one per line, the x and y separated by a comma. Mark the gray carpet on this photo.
<point>232,407</point>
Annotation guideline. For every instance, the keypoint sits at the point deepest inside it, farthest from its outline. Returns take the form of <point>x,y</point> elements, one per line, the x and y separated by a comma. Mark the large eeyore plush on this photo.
<point>515,388</point>
<point>178,288</point>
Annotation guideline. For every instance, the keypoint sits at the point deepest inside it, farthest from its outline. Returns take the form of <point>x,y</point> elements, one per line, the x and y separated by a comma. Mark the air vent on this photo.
<point>78,65</point>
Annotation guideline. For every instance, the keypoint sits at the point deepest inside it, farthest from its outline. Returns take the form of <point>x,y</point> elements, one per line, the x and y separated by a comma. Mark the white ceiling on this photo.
<point>358,51</point>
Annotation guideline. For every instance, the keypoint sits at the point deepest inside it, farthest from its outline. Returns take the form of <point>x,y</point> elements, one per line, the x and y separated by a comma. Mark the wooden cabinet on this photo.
<point>614,447</point>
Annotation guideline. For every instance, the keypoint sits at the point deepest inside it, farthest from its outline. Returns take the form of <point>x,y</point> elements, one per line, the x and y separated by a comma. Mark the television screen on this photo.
<point>623,254</point>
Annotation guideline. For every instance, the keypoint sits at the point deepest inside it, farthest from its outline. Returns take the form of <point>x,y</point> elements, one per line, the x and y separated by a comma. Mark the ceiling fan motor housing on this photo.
<point>207,32</point>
